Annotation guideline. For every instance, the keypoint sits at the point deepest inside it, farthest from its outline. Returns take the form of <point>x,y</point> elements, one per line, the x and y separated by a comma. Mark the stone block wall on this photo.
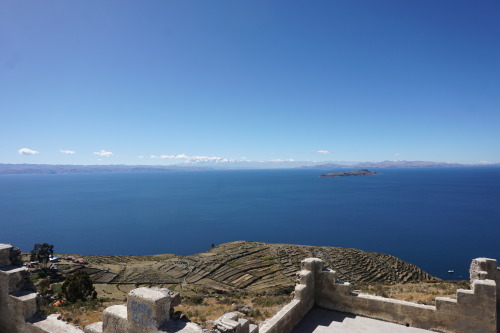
<point>230,323</point>
<point>5,250</point>
<point>147,311</point>
<point>17,302</point>
<point>292,313</point>
<point>485,269</point>
<point>472,311</point>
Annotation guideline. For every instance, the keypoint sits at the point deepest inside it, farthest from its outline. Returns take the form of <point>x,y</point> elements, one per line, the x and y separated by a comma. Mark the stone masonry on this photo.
<point>230,323</point>
<point>473,311</point>
<point>19,311</point>
<point>17,298</point>
<point>147,311</point>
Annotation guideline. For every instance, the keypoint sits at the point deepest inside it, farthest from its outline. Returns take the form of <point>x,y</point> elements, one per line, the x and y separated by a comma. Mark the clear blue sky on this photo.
<point>116,82</point>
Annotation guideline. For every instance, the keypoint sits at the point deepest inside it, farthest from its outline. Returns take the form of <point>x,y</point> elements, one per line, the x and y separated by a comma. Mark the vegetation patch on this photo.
<point>421,293</point>
<point>234,263</point>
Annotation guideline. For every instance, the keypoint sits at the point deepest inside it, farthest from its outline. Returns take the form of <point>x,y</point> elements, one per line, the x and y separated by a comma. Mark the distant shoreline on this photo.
<point>21,169</point>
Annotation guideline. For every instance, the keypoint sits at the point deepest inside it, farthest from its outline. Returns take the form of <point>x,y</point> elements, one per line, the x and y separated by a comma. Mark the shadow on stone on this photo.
<point>320,317</point>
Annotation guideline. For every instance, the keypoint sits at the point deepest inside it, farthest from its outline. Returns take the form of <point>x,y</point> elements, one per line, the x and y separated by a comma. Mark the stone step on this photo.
<point>14,277</point>
<point>94,328</point>
<point>115,319</point>
<point>52,325</point>
<point>253,328</point>
<point>23,303</point>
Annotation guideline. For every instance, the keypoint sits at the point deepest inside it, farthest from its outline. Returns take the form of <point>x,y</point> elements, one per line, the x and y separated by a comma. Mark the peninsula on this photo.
<point>362,172</point>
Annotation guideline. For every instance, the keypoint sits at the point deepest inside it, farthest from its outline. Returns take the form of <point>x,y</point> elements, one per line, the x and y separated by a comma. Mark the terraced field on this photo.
<point>250,266</point>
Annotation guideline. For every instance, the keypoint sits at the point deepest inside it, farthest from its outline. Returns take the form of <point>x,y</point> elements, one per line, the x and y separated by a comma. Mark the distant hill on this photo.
<point>58,169</point>
<point>252,266</point>
<point>232,165</point>
<point>390,164</point>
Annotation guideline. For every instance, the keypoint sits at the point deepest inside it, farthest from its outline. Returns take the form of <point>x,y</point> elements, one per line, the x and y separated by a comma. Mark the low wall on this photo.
<point>17,299</point>
<point>473,311</point>
<point>485,269</point>
<point>292,313</point>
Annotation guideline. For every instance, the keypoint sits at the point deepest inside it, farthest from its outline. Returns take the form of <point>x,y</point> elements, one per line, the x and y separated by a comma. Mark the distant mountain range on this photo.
<point>57,169</point>
<point>392,164</point>
<point>233,165</point>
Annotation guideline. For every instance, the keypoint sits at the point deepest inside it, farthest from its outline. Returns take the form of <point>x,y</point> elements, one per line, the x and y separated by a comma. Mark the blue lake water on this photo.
<point>436,218</point>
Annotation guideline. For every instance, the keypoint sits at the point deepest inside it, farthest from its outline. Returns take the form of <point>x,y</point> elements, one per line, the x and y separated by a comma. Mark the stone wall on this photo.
<point>19,311</point>
<point>230,323</point>
<point>147,311</point>
<point>292,313</point>
<point>473,311</point>
<point>17,301</point>
<point>485,269</point>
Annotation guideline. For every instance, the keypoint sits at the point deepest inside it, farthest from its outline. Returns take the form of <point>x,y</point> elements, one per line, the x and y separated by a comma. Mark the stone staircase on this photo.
<point>17,299</point>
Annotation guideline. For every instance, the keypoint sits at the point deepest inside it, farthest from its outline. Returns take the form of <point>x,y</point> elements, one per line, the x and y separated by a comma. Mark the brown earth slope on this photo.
<point>250,266</point>
<point>258,277</point>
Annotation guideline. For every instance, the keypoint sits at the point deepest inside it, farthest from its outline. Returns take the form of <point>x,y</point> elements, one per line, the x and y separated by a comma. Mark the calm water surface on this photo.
<point>438,219</point>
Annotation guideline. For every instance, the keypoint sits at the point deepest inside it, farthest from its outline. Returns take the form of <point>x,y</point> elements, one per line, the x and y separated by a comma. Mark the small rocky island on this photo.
<point>362,172</point>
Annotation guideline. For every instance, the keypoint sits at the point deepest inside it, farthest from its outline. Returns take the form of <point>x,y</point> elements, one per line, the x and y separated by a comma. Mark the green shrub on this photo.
<point>194,300</point>
<point>254,313</point>
<point>267,301</point>
<point>78,286</point>
<point>57,288</point>
<point>234,263</point>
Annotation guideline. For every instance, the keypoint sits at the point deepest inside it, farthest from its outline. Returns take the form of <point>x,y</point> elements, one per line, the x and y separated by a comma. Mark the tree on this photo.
<point>78,286</point>
<point>42,253</point>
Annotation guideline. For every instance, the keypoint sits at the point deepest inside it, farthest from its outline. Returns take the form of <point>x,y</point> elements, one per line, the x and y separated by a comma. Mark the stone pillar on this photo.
<point>497,280</point>
<point>114,320</point>
<point>482,269</point>
<point>5,254</point>
<point>148,309</point>
<point>17,300</point>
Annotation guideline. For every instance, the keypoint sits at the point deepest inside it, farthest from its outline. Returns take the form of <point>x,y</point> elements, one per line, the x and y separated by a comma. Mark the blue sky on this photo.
<point>162,82</point>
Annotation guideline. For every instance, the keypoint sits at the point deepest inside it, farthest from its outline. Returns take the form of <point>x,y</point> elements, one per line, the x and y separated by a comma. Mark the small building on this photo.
<point>53,258</point>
